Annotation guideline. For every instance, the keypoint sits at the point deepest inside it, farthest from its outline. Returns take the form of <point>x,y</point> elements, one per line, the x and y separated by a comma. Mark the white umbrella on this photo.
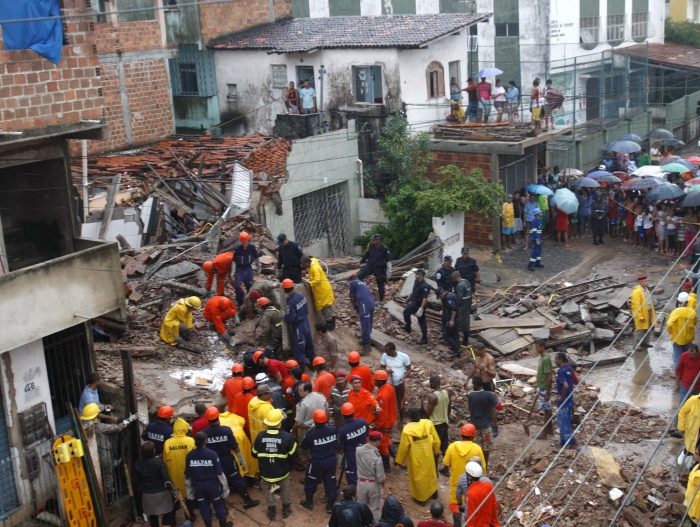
<point>565,200</point>
<point>489,72</point>
<point>649,170</point>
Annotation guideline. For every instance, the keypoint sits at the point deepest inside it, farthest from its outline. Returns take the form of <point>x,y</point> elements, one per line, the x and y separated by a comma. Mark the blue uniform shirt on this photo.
<point>202,464</point>
<point>420,291</point>
<point>245,257</point>
<point>566,375</point>
<point>361,294</point>
<point>157,433</point>
<point>352,434</point>
<point>221,440</point>
<point>297,309</point>
<point>321,442</point>
<point>89,396</point>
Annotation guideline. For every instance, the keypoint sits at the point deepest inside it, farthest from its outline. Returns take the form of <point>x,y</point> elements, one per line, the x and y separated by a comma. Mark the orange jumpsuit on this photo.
<point>240,407</point>
<point>222,268</point>
<point>384,422</point>
<point>363,403</point>
<point>324,384</point>
<point>482,506</point>
<point>366,374</point>
<point>218,310</point>
<point>230,389</point>
<point>288,388</point>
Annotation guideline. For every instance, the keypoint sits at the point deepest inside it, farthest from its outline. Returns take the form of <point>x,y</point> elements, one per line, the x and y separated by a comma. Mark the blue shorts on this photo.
<point>613,221</point>
<point>508,230</point>
<point>641,232</point>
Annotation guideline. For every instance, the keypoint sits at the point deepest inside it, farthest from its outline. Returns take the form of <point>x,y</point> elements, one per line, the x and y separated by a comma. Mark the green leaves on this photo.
<point>685,32</point>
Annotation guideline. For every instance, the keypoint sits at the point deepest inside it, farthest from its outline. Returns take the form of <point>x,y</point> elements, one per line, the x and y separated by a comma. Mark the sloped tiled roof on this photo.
<point>305,34</point>
<point>677,55</point>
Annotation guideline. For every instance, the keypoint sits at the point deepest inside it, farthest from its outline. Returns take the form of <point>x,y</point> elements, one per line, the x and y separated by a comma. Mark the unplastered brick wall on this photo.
<point>36,93</point>
<point>477,228</point>
<point>218,19</point>
<point>127,36</point>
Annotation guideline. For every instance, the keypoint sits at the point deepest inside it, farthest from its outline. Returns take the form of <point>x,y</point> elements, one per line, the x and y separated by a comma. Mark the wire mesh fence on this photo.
<point>322,216</point>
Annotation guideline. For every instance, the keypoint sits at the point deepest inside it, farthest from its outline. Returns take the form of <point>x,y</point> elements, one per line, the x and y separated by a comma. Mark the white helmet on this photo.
<point>261,378</point>
<point>683,297</point>
<point>474,469</point>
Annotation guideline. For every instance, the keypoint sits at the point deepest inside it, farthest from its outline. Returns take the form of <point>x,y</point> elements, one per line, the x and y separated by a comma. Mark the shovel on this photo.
<point>526,426</point>
<point>177,495</point>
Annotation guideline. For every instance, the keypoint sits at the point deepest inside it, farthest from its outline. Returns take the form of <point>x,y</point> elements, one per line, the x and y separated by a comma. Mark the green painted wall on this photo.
<point>505,11</point>
<point>589,8</point>
<point>455,6</point>
<point>640,6</point>
<point>616,7</point>
<point>300,9</point>
<point>507,55</point>
<point>400,7</point>
<point>345,8</point>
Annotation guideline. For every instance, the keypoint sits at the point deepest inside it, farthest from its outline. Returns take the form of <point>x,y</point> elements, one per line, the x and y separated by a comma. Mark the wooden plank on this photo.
<point>521,322</point>
<point>506,340</point>
<point>109,206</point>
<point>548,314</point>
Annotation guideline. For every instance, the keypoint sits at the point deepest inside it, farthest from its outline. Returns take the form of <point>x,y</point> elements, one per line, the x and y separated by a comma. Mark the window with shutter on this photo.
<point>435,80</point>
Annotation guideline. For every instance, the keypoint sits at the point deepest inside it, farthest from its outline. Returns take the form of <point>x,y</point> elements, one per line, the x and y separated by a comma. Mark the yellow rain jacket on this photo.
<point>692,497</point>
<point>175,450</point>
<point>456,457</point>
<point>320,286</point>
<point>681,325</point>
<point>419,445</point>
<point>693,301</point>
<point>642,318</point>
<point>236,424</point>
<point>689,421</point>
<point>171,324</point>
<point>257,411</point>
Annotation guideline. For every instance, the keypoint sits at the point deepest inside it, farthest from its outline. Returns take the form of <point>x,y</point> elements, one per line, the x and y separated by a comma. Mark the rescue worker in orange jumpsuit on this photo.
<point>324,380</point>
<point>240,402</point>
<point>220,266</point>
<point>218,310</point>
<point>366,406</point>
<point>385,421</point>
<point>360,369</point>
<point>233,386</point>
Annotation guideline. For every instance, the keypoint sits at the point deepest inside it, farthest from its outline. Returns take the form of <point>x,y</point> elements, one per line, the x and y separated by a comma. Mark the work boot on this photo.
<point>366,349</point>
<point>424,340</point>
<point>224,523</point>
<point>330,323</point>
<point>248,502</point>
<point>308,503</point>
<point>207,523</point>
<point>271,511</point>
<point>329,506</point>
<point>385,461</point>
<point>286,510</point>
<point>406,328</point>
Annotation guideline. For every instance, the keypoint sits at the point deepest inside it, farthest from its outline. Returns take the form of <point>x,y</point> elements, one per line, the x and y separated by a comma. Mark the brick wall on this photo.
<point>36,93</point>
<point>478,229</point>
<point>223,18</point>
<point>127,36</point>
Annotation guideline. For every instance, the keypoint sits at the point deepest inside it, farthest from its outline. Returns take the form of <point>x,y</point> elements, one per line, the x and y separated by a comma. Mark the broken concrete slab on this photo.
<point>179,270</point>
<point>541,333</point>
<point>603,334</point>
<point>570,308</point>
<point>606,356</point>
<point>488,277</point>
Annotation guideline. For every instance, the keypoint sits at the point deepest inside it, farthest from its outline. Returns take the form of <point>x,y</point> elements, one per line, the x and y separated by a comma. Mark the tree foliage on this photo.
<point>685,32</point>
<point>403,158</point>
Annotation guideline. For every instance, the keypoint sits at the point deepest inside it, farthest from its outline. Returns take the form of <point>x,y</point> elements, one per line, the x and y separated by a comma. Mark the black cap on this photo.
<point>281,237</point>
<point>439,291</point>
<point>447,258</point>
<point>376,236</point>
<point>420,270</point>
<point>465,250</point>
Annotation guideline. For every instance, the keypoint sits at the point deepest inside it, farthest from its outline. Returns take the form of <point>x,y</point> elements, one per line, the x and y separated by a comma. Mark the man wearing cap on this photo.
<point>450,316</point>
<point>419,445</point>
<point>370,474</point>
<point>303,421</point>
<point>385,421</point>
<point>508,224</point>
<point>362,370</point>
<point>321,289</point>
<point>233,386</point>
<point>642,310</point>
<point>339,396</point>
<point>268,328</point>
<point>456,458</point>
<point>363,302</point>
<point>218,310</point>
<point>220,267</point>
<point>351,435</point>
<point>298,318</point>
<point>288,259</point>
<point>687,287</point>
<point>178,324</point>
<point>326,346</point>
<point>443,277</point>
<point>398,365</point>
<point>274,449</point>
<point>468,269</point>
<point>258,408</point>
<point>361,398</point>
<point>321,442</point>
<point>278,398</point>
<point>325,381</point>
<point>535,241</point>
<point>681,327</point>
<point>463,292</point>
<point>377,260</point>
<point>417,304</point>
<point>245,256</point>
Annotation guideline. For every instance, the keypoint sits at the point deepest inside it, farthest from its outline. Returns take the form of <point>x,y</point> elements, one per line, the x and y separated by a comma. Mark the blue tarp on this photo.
<point>43,36</point>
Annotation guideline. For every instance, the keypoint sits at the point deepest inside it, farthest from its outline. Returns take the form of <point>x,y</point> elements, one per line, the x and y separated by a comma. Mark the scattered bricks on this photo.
<point>541,465</point>
<point>135,297</point>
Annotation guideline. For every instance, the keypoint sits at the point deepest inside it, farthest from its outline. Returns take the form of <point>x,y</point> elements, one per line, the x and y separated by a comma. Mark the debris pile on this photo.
<point>506,132</point>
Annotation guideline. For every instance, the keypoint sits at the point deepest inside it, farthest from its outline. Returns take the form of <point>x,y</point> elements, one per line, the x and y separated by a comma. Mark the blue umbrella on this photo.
<point>665,191</point>
<point>626,147</point>
<point>607,147</point>
<point>660,133</point>
<point>585,182</point>
<point>539,189</point>
<point>598,173</point>
<point>489,72</point>
<point>673,142</point>
<point>631,137</point>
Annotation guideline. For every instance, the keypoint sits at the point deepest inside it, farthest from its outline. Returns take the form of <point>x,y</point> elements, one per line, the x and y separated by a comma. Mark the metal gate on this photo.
<point>323,215</point>
<point>9,500</point>
<point>516,171</point>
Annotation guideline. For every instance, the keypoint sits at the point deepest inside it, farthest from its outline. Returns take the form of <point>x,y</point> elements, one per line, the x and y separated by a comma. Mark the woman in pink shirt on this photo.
<point>484,90</point>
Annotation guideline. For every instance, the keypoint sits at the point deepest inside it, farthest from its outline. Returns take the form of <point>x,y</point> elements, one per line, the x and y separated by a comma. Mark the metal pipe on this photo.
<point>360,168</point>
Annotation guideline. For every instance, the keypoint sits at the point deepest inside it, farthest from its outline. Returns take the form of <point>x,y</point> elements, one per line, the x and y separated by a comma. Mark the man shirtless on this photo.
<point>485,367</point>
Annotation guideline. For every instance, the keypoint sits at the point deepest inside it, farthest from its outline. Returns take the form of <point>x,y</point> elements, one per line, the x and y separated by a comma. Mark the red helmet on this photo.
<point>468,430</point>
<point>381,375</point>
<point>263,301</point>
<point>237,368</point>
<point>287,284</point>
<point>317,361</point>
<point>257,355</point>
<point>212,413</point>
<point>347,409</point>
<point>248,383</point>
<point>244,237</point>
<point>291,363</point>
<point>208,266</point>
<point>166,412</point>
<point>319,416</point>
<point>353,356</point>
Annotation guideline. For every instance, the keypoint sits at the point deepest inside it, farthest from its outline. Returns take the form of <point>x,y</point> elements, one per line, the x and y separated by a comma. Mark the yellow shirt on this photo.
<point>681,325</point>
<point>509,215</point>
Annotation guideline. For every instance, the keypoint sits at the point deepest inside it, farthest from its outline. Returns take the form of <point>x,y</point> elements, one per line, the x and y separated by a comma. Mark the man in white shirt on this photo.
<point>308,98</point>
<point>398,365</point>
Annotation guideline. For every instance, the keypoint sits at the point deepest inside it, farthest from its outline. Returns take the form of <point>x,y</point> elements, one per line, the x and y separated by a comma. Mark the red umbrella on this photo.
<point>691,182</point>
<point>693,159</point>
<point>624,176</point>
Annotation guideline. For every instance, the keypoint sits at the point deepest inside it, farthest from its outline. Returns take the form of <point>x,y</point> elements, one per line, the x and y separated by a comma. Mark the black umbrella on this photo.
<point>673,142</point>
<point>665,191</point>
<point>660,133</point>
<point>692,199</point>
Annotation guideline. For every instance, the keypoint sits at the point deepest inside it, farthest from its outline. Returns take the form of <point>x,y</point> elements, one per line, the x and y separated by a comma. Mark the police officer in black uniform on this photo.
<point>417,305</point>
<point>463,290</point>
<point>221,440</point>
<point>450,319</point>
<point>288,259</point>
<point>352,434</point>
<point>468,268</point>
<point>321,441</point>
<point>350,511</point>
<point>443,276</point>
<point>160,431</point>
<point>377,261</point>
<point>205,481</point>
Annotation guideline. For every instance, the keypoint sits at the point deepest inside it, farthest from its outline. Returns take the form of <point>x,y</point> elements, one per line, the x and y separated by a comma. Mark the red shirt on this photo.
<point>688,369</point>
<point>199,425</point>
<point>433,523</point>
<point>487,515</point>
<point>274,367</point>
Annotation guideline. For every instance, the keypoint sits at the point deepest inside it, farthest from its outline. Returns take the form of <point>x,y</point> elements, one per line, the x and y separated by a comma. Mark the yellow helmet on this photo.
<point>274,417</point>
<point>90,412</point>
<point>193,302</point>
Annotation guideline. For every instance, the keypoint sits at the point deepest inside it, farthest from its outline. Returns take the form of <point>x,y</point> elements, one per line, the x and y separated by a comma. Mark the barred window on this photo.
<point>188,78</point>
<point>589,30</point>
<point>616,28</point>
<point>279,76</point>
<point>640,23</point>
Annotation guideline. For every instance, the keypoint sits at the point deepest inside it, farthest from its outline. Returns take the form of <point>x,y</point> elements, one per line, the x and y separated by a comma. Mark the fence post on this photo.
<point>575,100</point>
